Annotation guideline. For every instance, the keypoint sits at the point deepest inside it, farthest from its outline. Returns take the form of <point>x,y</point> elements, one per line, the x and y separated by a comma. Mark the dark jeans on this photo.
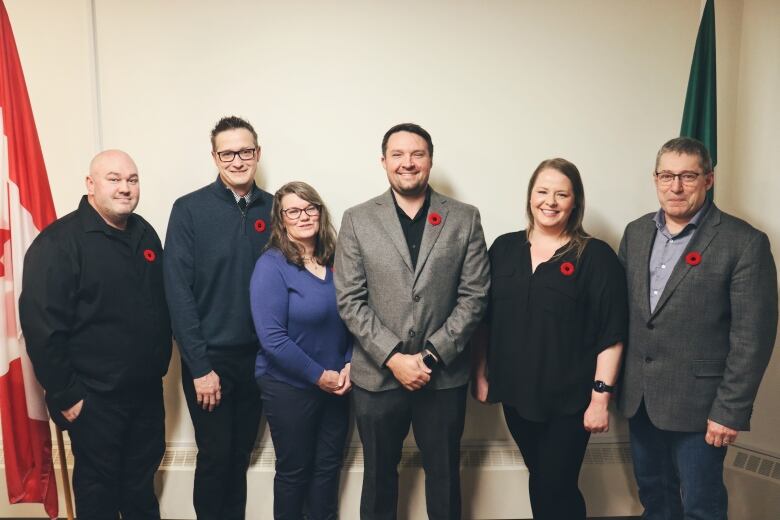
<point>309,430</point>
<point>679,475</point>
<point>383,419</point>
<point>225,437</point>
<point>118,443</point>
<point>553,452</point>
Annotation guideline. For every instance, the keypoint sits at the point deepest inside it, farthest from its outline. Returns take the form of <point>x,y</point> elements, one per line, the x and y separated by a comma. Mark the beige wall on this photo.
<point>54,40</point>
<point>501,85</point>
<point>753,183</point>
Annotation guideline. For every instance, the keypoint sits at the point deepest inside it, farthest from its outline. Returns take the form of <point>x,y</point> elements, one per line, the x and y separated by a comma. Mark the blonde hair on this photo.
<point>577,235</point>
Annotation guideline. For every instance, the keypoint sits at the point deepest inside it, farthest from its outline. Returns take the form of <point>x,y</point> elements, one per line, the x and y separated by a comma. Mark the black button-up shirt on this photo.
<point>548,326</point>
<point>93,308</point>
<point>413,227</point>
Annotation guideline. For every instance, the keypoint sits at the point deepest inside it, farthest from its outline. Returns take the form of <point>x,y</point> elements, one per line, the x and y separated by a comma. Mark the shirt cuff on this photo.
<point>313,373</point>
<point>68,397</point>
<point>395,350</point>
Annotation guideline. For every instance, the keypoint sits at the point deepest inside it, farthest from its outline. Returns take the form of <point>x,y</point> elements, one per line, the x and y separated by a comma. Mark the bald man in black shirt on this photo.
<point>96,325</point>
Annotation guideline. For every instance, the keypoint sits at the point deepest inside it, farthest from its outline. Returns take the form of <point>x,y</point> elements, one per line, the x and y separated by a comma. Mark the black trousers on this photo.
<point>118,443</point>
<point>309,430</point>
<point>553,451</point>
<point>225,437</point>
<point>437,418</point>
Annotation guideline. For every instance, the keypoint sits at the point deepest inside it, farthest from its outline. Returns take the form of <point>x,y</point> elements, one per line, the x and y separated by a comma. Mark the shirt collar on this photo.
<point>92,221</point>
<point>422,211</point>
<point>249,197</point>
<point>660,218</point>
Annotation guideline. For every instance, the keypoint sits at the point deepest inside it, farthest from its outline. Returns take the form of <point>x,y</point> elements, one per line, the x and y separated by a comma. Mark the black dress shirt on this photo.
<point>93,308</point>
<point>413,227</point>
<point>548,327</point>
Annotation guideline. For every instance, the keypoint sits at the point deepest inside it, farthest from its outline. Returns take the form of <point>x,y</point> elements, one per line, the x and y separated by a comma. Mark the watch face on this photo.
<point>429,360</point>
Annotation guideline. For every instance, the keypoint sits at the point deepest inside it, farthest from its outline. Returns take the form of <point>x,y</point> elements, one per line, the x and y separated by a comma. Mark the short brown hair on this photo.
<point>231,123</point>
<point>687,146</point>
<point>412,128</point>
<point>325,246</point>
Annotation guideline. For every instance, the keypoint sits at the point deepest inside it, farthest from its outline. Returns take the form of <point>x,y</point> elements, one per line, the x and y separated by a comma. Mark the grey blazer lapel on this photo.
<point>642,278</point>
<point>389,219</point>
<point>704,235</point>
<point>431,233</point>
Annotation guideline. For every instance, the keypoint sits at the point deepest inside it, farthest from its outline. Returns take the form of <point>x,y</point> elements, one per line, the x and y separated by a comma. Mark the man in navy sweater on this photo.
<point>215,235</point>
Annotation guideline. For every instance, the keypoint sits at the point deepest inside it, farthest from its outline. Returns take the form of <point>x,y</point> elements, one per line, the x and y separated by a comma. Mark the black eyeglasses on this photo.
<point>687,178</point>
<point>295,213</point>
<point>246,154</point>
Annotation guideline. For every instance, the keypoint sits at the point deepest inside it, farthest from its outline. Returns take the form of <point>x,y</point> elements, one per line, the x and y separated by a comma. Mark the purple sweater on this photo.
<point>297,322</point>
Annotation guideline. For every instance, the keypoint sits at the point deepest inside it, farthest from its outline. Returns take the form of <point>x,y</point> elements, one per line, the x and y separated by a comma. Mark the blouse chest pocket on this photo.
<point>504,284</point>
<point>561,297</point>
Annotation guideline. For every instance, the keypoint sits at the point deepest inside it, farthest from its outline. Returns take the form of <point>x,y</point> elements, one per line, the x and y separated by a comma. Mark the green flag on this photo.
<point>700,116</point>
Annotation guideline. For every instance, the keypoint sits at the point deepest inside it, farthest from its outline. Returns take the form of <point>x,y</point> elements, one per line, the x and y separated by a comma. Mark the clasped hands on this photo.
<point>409,370</point>
<point>336,383</point>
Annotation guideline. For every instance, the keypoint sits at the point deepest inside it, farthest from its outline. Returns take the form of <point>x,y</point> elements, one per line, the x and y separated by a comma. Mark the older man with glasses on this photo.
<point>702,322</point>
<point>215,235</point>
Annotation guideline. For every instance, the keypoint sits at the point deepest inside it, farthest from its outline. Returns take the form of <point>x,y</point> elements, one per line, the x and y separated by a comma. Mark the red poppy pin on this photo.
<point>149,255</point>
<point>567,269</point>
<point>693,258</point>
<point>259,225</point>
<point>434,218</point>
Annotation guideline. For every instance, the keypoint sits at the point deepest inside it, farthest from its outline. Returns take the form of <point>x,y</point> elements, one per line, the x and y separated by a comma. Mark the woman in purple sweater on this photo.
<point>302,367</point>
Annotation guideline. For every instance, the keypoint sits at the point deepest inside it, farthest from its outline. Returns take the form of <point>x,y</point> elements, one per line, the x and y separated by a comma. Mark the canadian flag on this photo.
<point>26,207</point>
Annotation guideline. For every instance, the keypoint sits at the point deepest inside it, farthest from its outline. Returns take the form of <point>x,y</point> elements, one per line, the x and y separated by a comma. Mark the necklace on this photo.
<point>314,267</point>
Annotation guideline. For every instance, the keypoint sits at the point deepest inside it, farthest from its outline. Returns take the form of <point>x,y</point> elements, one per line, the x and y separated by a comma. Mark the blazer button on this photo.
<point>417,297</point>
<point>650,326</point>
<point>411,333</point>
<point>648,359</point>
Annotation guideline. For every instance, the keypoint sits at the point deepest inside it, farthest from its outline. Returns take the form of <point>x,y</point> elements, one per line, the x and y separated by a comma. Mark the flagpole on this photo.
<point>65,476</point>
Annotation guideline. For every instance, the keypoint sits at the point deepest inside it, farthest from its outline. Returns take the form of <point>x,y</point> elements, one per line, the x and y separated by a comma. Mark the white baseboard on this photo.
<point>494,482</point>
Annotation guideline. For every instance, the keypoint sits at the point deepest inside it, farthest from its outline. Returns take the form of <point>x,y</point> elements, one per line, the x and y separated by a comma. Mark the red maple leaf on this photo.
<point>5,236</point>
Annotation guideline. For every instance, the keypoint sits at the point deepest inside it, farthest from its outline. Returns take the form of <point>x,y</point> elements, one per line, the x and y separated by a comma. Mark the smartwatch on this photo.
<point>601,387</point>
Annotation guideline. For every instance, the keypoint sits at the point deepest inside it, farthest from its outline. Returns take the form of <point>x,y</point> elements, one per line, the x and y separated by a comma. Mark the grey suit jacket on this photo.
<point>703,351</point>
<point>389,306</point>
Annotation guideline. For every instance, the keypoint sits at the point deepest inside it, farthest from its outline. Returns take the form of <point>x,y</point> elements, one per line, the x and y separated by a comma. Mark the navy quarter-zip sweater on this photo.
<point>210,251</point>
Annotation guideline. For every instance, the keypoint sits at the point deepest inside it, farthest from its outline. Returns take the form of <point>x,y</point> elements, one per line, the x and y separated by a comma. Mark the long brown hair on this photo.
<point>577,235</point>
<point>325,245</point>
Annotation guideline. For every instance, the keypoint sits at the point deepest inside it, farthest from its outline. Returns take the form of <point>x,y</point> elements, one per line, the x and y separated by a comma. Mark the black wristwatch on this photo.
<point>601,387</point>
<point>429,359</point>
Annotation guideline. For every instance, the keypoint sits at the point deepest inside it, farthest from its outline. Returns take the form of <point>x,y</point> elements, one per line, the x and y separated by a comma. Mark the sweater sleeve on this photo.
<point>269,298</point>
<point>179,277</point>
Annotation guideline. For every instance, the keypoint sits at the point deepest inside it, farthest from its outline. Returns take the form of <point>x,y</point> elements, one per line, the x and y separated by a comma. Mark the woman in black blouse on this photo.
<point>552,341</point>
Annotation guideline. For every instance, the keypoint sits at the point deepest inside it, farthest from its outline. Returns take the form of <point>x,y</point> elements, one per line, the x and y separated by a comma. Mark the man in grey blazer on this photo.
<point>702,323</point>
<point>412,278</point>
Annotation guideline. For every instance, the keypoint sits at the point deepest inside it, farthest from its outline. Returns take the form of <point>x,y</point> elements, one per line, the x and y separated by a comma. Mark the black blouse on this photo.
<point>548,327</point>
